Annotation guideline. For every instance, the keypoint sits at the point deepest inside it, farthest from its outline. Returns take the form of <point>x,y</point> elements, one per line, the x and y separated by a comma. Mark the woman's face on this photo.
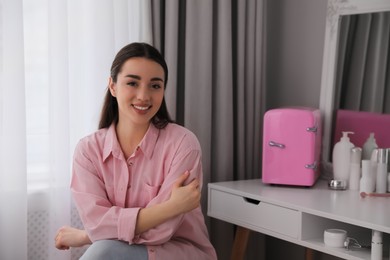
<point>139,90</point>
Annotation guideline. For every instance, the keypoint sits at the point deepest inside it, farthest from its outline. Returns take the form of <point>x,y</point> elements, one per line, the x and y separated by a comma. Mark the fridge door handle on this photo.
<point>275,144</point>
<point>312,129</point>
<point>311,166</point>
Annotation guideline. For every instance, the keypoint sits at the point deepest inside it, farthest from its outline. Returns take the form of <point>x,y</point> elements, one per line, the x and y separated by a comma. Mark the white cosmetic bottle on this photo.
<point>381,173</point>
<point>374,165</point>
<point>355,170</point>
<point>367,184</point>
<point>376,245</point>
<point>369,146</point>
<point>388,182</point>
<point>341,158</point>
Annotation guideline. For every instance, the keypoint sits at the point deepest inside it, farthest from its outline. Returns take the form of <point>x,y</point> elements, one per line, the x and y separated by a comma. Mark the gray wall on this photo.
<point>295,41</point>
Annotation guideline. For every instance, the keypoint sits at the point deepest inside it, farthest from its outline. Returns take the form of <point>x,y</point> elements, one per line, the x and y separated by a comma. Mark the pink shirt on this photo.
<point>109,190</point>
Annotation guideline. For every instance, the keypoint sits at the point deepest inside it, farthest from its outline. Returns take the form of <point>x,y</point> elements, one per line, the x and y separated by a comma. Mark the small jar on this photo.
<point>335,237</point>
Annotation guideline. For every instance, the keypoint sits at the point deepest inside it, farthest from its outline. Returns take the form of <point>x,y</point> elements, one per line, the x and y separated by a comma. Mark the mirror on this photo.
<point>335,11</point>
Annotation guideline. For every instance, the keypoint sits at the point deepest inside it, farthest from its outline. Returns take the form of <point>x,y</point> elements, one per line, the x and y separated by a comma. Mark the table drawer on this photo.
<point>257,214</point>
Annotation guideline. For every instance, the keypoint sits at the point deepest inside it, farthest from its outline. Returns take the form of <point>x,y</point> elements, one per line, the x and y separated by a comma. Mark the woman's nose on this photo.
<point>143,93</point>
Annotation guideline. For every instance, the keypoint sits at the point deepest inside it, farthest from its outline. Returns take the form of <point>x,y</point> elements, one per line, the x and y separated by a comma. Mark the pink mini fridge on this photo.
<point>291,146</point>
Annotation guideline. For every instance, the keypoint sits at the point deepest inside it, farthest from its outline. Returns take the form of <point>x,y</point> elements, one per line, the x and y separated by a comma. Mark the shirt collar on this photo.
<point>111,144</point>
<point>147,145</point>
<point>149,141</point>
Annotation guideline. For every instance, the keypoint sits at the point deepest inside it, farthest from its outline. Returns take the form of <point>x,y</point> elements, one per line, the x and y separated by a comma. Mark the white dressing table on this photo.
<point>301,214</point>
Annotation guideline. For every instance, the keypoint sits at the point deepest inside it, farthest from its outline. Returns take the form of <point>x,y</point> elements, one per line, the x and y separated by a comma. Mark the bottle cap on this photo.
<point>356,155</point>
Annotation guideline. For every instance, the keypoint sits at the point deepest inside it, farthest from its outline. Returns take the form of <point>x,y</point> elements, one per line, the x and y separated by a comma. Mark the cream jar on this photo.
<point>335,237</point>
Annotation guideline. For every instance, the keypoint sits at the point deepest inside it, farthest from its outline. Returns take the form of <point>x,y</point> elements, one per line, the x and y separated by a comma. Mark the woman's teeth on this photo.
<point>140,108</point>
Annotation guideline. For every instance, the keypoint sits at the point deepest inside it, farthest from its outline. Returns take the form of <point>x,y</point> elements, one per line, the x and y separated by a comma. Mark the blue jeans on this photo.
<point>115,250</point>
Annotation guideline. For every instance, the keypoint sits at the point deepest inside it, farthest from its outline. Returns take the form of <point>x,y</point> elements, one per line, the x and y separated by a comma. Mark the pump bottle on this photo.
<point>341,158</point>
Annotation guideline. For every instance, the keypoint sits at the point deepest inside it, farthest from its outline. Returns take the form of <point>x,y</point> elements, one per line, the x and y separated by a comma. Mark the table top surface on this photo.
<point>341,205</point>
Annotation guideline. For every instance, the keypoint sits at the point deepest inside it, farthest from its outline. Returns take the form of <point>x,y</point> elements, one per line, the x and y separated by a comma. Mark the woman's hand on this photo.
<point>68,237</point>
<point>185,197</point>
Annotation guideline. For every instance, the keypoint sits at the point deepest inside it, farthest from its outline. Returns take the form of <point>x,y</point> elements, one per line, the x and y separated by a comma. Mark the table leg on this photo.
<point>240,243</point>
<point>309,254</point>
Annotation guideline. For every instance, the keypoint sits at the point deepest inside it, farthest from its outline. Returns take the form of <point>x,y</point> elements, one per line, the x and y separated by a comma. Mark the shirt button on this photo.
<point>130,163</point>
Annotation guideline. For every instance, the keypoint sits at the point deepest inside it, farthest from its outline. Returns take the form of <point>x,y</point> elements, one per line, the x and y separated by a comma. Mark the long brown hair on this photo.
<point>110,112</point>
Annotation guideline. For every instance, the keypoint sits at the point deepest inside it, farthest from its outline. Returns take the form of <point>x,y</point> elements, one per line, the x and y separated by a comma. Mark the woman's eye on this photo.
<point>132,83</point>
<point>156,86</point>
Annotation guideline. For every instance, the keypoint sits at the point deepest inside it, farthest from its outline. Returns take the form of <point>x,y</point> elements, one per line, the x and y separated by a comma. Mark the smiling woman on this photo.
<point>52,83</point>
<point>137,181</point>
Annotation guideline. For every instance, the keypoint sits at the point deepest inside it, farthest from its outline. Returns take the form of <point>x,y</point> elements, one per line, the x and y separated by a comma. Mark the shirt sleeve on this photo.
<point>187,157</point>
<point>101,219</point>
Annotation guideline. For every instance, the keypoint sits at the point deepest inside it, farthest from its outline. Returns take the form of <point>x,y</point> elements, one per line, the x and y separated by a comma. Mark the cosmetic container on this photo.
<point>337,185</point>
<point>381,173</point>
<point>374,165</point>
<point>335,237</point>
<point>341,158</point>
<point>366,182</point>
<point>355,170</point>
<point>376,245</point>
<point>369,146</point>
<point>388,183</point>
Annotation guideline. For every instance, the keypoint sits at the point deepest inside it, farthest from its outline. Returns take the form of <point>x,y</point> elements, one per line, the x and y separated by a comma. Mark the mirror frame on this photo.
<point>335,10</point>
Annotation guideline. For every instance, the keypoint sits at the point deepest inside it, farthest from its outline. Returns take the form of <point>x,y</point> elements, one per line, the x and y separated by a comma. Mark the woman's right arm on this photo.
<point>68,237</point>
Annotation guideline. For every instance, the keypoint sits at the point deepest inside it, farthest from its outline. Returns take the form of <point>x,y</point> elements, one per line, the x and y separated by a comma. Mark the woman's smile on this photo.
<point>141,110</point>
<point>141,107</point>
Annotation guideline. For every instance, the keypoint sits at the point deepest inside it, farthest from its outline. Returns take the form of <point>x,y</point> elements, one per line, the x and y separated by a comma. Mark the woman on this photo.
<point>136,182</point>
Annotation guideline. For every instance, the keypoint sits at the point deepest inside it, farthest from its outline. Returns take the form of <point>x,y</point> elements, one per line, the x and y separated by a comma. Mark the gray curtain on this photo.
<point>215,54</point>
<point>362,77</point>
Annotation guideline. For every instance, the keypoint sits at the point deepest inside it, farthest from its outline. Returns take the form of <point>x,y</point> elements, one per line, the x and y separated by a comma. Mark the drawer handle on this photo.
<point>252,201</point>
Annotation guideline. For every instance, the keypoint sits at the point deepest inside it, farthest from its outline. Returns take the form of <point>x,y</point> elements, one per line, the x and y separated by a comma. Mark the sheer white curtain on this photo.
<point>55,57</point>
